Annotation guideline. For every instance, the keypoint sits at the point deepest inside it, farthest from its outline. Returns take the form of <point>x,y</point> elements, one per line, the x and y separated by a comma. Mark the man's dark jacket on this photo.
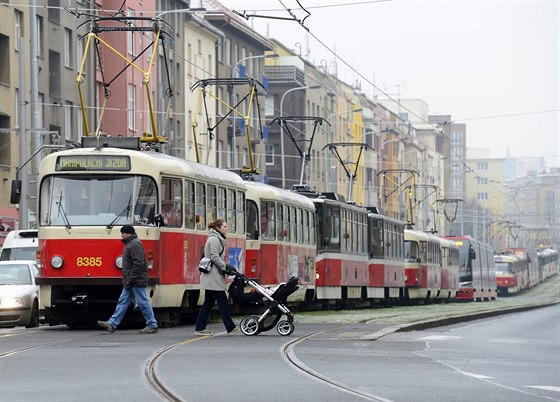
<point>135,269</point>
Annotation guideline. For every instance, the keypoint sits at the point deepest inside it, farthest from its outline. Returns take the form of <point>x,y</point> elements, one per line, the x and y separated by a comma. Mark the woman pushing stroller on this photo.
<point>214,282</point>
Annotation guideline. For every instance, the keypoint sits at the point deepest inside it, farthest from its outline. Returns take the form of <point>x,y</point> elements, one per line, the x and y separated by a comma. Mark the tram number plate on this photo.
<point>89,261</point>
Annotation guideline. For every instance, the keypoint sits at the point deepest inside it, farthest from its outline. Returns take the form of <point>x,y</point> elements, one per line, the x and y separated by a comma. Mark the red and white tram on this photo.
<point>86,194</point>
<point>342,250</point>
<point>548,263</point>
<point>512,273</point>
<point>386,276</point>
<point>280,238</point>
<point>422,265</point>
<point>449,269</point>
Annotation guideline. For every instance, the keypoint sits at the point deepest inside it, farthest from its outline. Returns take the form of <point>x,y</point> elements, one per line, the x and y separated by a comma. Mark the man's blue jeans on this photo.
<point>143,302</point>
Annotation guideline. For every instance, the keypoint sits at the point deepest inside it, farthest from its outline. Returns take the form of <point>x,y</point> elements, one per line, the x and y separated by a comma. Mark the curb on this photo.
<point>438,322</point>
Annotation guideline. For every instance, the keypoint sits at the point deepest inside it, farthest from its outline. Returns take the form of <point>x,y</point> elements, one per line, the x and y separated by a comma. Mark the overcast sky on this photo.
<point>490,64</point>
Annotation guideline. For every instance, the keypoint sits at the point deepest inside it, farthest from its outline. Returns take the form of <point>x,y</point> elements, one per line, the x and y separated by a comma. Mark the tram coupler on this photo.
<point>79,299</point>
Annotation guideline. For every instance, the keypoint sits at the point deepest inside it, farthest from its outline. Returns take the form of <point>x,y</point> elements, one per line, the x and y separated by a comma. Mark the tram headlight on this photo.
<point>57,262</point>
<point>118,262</point>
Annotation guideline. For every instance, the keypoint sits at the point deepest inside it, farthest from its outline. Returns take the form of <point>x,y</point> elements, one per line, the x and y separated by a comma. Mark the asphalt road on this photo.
<point>343,356</point>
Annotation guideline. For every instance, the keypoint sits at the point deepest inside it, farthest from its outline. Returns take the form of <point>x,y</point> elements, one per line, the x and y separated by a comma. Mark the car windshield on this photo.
<point>18,253</point>
<point>95,199</point>
<point>15,274</point>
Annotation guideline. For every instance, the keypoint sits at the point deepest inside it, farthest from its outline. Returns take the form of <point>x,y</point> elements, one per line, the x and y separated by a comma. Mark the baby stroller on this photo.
<point>274,302</point>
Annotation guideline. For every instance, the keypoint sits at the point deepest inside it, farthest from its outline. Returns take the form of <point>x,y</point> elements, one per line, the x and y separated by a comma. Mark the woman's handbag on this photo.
<point>205,265</point>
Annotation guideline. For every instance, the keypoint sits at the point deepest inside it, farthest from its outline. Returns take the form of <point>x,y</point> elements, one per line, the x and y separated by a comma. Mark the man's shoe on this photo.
<point>148,330</point>
<point>235,330</point>
<point>106,325</point>
<point>203,332</point>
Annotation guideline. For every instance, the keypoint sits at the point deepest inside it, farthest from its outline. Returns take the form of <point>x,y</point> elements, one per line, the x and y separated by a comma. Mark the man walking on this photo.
<point>135,281</point>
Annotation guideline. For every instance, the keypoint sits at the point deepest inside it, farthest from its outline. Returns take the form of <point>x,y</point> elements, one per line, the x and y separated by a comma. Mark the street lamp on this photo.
<point>234,71</point>
<point>282,127</point>
<point>330,116</point>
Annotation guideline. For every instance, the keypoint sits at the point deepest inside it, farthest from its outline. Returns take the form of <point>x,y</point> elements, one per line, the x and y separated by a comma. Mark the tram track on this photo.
<point>164,392</point>
<point>39,346</point>
<point>150,371</point>
<point>289,355</point>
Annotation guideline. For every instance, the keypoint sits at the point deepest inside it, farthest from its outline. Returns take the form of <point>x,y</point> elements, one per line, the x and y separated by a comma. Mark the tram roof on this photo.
<point>509,257</point>
<point>413,234</point>
<point>267,191</point>
<point>161,164</point>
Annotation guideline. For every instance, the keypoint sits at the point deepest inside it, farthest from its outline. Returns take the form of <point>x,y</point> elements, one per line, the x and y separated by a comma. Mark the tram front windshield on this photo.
<point>503,268</point>
<point>98,200</point>
<point>465,263</point>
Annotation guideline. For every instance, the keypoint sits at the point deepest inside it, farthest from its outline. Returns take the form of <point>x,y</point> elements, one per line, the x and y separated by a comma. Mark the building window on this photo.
<point>456,137</point>
<point>130,37</point>
<point>80,55</point>
<point>482,165</point>
<point>251,65</point>
<point>68,47</point>
<point>40,36</point>
<point>68,121</point>
<point>228,52</point>
<point>482,196</point>
<point>456,168</point>
<point>482,180</point>
<point>269,154</point>
<point>18,28</point>
<point>456,184</point>
<point>132,107</point>
<point>269,106</point>
<point>220,52</point>
<point>4,59</point>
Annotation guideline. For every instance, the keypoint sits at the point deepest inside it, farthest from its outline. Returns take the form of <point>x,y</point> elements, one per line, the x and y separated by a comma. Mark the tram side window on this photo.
<point>377,239</point>
<point>299,223</point>
<point>200,206</point>
<point>221,202</point>
<point>293,225</point>
<point>283,222</point>
<point>172,201</point>
<point>312,227</point>
<point>211,203</point>
<point>252,224</point>
<point>231,207</point>
<point>268,220</point>
<point>305,226</point>
<point>189,205</point>
<point>400,241</point>
<point>239,213</point>
<point>411,251</point>
<point>146,202</point>
<point>344,228</point>
<point>332,228</point>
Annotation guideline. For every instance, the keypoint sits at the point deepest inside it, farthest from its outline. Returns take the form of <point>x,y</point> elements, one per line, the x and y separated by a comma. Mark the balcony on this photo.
<point>285,75</point>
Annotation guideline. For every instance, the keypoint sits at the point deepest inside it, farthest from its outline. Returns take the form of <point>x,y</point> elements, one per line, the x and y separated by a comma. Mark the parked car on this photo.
<point>19,294</point>
<point>20,245</point>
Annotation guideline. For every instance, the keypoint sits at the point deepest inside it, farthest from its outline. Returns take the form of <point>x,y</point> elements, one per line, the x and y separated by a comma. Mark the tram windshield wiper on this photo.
<point>61,209</point>
<point>126,210</point>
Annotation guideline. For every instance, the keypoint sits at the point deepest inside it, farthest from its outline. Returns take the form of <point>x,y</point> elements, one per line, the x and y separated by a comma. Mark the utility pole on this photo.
<point>36,123</point>
<point>23,204</point>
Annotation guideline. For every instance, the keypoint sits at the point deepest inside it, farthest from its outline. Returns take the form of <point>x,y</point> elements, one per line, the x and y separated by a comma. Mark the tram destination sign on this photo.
<point>109,163</point>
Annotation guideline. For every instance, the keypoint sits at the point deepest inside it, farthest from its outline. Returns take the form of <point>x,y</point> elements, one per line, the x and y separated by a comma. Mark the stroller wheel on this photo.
<point>285,328</point>
<point>250,325</point>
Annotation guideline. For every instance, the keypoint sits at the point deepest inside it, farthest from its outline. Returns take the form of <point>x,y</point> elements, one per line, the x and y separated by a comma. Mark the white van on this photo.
<point>20,245</point>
